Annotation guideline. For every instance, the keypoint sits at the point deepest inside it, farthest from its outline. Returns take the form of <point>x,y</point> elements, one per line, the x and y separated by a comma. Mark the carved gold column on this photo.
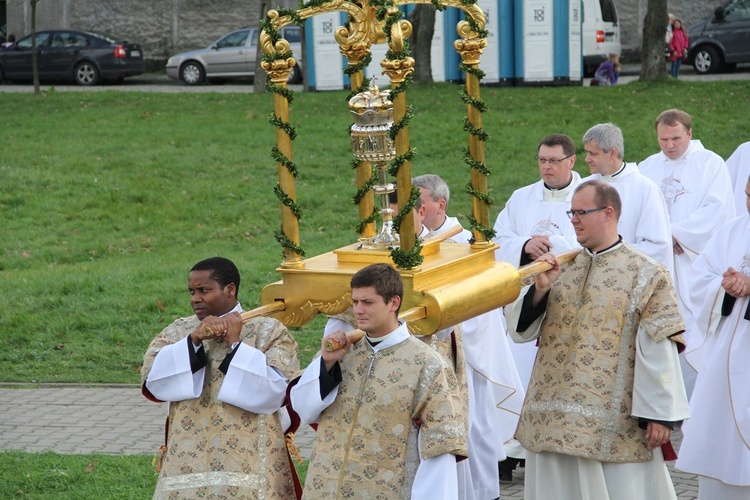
<point>398,70</point>
<point>470,50</point>
<point>355,53</point>
<point>278,72</point>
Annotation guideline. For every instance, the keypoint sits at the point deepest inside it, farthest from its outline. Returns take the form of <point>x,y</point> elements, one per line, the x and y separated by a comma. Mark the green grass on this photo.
<point>56,477</point>
<point>51,476</point>
<point>107,198</point>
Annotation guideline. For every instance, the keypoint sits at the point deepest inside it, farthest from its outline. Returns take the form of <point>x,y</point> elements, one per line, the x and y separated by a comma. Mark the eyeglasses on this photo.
<point>551,161</point>
<point>582,213</point>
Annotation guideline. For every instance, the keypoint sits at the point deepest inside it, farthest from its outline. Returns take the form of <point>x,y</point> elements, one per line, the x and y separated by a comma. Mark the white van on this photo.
<point>600,33</point>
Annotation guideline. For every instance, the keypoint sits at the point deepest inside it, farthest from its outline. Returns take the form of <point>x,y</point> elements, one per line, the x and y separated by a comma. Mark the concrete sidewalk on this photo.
<point>117,419</point>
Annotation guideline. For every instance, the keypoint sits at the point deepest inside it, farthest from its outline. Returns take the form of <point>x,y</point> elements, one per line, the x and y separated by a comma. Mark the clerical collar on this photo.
<point>560,188</point>
<point>237,308</point>
<point>375,341</point>
<point>445,219</point>
<point>611,247</point>
<point>619,171</point>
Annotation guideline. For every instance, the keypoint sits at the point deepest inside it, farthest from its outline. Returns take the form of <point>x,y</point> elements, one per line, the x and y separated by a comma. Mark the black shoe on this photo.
<point>505,468</point>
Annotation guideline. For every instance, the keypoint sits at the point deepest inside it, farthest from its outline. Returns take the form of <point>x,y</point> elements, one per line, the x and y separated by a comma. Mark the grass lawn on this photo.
<point>107,198</point>
<point>57,477</point>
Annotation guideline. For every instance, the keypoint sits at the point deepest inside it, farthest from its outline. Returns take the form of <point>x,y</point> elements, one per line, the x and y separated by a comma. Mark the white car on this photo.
<point>231,56</point>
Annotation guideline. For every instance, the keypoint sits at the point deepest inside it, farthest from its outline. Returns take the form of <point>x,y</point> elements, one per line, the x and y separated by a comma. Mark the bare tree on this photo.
<point>653,66</point>
<point>423,27</point>
<point>34,58</point>
<point>261,77</point>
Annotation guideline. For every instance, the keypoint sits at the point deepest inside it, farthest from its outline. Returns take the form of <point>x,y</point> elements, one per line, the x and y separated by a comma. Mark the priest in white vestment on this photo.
<point>225,383</point>
<point>739,170</point>
<point>716,442</point>
<point>390,420</point>
<point>644,222</point>
<point>606,390</point>
<point>495,389</point>
<point>532,223</point>
<point>699,196</point>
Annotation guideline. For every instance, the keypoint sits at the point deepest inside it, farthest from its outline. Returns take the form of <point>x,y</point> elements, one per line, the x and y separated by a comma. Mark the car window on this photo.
<point>737,10</point>
<point>65,39</point>
<point>236,39</point>
<point>25,43</point>
<point>609,12</point>
<point>292,35</point>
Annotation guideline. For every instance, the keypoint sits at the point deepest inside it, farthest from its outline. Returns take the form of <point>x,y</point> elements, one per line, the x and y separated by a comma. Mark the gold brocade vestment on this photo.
<point>581,390</point>
<point>217,450</point>
<point>366,445</point>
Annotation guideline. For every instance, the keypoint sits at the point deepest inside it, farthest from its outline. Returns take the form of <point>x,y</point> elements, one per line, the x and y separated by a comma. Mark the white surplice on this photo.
<point>699,197</point>
<point>716,441</point>
<point>495,390</point>
<point>436,477</point>
<point>534,210</point>
<point>171,378</point>
<point>644,221</point>
<point>739,171</point>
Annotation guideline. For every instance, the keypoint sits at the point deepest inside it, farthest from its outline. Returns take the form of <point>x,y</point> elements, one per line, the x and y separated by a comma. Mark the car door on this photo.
<point>734,31</point>
<point>229,55</point>
<point>18,58</point>
<point>61,53</point>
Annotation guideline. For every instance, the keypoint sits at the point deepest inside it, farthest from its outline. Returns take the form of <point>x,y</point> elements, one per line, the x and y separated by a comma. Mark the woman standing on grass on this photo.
<point>678,47</point>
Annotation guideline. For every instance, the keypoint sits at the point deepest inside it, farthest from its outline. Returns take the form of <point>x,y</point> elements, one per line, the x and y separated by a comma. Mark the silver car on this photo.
<point>231,56</point>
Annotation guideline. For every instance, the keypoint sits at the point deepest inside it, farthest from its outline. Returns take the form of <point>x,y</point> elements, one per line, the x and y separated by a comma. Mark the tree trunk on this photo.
<point>261,77</point>
<point>423,27</point>
<point>653,65</point>
<point>34,58</point>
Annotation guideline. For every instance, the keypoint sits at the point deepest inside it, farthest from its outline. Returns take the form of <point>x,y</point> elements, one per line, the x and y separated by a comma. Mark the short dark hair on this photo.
<point>386,280</point>
<point>672,117</point>
<point>569,147</point>
<point>223,271</point>
<point>604,195</point>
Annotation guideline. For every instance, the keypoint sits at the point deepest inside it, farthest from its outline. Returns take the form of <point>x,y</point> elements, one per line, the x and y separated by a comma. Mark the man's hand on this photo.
<point>676,247</point>
<point>331,358</point>
<point>657,434</point>
<point>543,281</point>
<point>212,327</point>
<point>537,246</point>
<point>735,283</point>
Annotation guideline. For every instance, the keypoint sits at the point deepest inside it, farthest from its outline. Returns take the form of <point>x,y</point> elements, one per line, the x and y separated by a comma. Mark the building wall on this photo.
<point>632,13</point>
<point>161,27</point>
<point>165,27</point>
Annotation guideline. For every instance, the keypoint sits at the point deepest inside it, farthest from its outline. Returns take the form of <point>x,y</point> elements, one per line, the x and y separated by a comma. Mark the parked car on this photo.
<point>231,56</point>
<point>86,58</point>
<point>722,40</point>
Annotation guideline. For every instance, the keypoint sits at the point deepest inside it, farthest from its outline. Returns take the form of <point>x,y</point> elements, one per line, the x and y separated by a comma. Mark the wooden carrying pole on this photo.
<point>419,312</point>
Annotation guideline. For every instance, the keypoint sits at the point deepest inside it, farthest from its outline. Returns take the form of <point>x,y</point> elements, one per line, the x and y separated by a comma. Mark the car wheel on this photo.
<point>85,73</point>
<point>295,76</point>
<point>706,60</point>
<point>192,73</point>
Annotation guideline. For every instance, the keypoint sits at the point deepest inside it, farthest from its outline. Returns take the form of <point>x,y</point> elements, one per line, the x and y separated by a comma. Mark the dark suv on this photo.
<point>722,40</point>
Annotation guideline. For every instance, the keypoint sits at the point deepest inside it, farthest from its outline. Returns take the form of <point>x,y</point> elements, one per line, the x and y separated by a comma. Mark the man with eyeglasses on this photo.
<point>645,223</point>
<point>533,223</point>
<point>606,390</point>
<point>696,185</point>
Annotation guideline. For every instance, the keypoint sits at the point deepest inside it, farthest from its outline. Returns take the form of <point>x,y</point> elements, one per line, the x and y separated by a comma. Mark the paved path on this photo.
<point>70,419</point>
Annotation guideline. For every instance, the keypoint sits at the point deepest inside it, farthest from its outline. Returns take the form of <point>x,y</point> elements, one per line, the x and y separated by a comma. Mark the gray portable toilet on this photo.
<point>548,42</point>
<point>323,58</point>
